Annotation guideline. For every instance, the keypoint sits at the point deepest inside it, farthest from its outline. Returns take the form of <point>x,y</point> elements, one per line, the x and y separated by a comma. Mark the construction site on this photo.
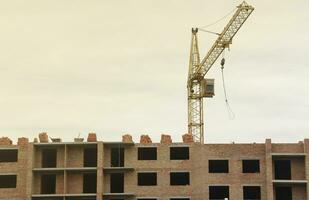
<point>46,168</point>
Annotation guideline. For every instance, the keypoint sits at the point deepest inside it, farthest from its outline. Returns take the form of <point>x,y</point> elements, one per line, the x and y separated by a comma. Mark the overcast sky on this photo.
<point>120,66</point>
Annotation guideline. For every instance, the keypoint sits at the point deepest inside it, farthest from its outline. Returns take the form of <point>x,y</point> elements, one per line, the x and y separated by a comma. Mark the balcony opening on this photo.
<point>219,192</point>
<point>49,158</point>
<point>8,181</point>
<point>90,183</point>
<point>90,157</point>
<point>283,170</point>
<point>147,179</point>
<point>48,184</point>
<point>117,157</point>
<point>179,153</point>
<point>250,166</point>
<point>117,183</point>
<point>283,193</point>
<point>8,155</point>
<point>179,178</point>
<point>147,153</point>
<point>252,192</point>
<point>218,166</point>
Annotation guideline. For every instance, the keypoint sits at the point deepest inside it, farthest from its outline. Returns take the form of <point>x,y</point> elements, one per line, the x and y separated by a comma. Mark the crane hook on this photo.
<point>222,63</point>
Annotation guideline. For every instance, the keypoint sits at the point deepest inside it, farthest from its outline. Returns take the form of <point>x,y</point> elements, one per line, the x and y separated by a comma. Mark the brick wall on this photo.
<point>197,165</point>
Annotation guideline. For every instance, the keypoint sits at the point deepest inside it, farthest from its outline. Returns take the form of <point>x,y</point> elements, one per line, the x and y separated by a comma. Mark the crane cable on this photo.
<point>230,112</point>
<point>213,23</point>
<point>208,31</point>
<point>202,28</point>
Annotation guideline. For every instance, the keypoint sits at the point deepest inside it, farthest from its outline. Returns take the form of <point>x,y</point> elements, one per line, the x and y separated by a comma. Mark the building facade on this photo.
<point>147,171</point>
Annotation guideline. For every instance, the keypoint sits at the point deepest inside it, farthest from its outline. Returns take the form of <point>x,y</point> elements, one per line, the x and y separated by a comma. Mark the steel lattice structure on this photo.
<point>198,69</point>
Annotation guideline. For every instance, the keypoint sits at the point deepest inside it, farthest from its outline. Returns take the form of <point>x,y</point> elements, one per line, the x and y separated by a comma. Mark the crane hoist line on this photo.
<point>197,85</point>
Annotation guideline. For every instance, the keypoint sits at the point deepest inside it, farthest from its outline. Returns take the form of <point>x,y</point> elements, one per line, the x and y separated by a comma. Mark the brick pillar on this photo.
<point>65,172</point>
<point>28,168</point>
<point>306,150</point>
<point>100,171</point>
<point>269,170</point>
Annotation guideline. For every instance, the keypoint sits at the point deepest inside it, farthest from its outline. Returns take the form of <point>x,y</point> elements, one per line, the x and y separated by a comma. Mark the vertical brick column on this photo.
<point>65,171</point>
<point>306,150</point>
<point>100,171</point>
<point>269,170</point>
<point>28,168</point>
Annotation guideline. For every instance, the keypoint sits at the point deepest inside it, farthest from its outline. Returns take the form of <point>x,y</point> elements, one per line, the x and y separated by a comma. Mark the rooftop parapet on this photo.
<point>23,141</point>
<point>127,138</point>
<point>5,141</point>
<point>43,137</point>
<point>166,139</point>
<point>187,138</point>
<point>92,137</point>
<point>145,139</point>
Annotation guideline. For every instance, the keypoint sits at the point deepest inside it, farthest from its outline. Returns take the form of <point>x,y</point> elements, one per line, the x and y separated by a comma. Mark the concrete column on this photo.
<point>269,170</point>
<point>100,171</point>
<point>306,150</point>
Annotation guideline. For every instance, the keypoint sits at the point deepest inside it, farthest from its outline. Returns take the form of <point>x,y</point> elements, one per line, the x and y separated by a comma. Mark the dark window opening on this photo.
<point>117,157</point>
<point>48,184</point>
<point>90,183</point>
<point>90,157</point>
<point>282,169</point>
<point>8,155</point>
<point>252,192</point>
<point>218,192</point>
<point>49,158</point>
<point>8,181</point>
<point>147,179</point>
<point>250,166</point>
<point>218,166</point>
<point>147,153</point>
<point>180,178</point>
<point>179,153</point>
<point>117,183</point>
<point>283,193</point>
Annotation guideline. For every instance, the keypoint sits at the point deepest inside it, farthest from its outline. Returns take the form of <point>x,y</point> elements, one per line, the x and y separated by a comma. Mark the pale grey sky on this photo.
<point>114,67</point>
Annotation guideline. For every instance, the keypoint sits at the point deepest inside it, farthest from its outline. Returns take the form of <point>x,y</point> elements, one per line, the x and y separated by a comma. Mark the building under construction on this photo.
<point>89,170</point>
<point>49,169</point>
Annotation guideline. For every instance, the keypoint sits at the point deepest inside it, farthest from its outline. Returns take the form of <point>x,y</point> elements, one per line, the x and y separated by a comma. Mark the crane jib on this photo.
<point>199,87</point>
<point>225,38</point>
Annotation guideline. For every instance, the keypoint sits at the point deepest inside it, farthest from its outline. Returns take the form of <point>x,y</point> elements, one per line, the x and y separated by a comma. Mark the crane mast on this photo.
<point>198,87</point>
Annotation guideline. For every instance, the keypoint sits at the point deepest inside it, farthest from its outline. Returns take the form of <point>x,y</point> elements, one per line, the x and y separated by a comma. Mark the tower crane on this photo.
<point>197,85</point>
